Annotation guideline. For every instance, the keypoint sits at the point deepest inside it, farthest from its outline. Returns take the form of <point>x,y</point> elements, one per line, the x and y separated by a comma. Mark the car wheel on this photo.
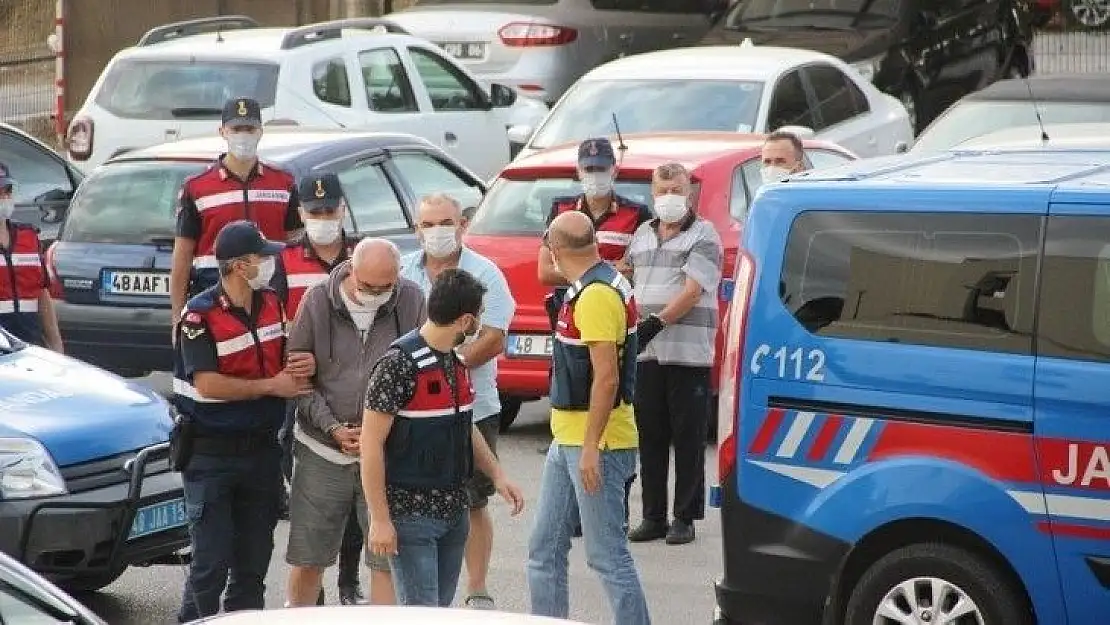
<point>936,583</point>
<point>1088,14</point>
<point>90,583</point>
<point>510,409</point>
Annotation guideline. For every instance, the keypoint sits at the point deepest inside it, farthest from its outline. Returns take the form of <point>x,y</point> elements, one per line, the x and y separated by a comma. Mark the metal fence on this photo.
<point>1071,52</point>
<point>27,64</point>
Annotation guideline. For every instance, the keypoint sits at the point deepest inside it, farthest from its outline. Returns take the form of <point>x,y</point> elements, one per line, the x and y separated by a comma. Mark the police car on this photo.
<point>360,73</point>
<point>85,484</point>
<point>913,399</point>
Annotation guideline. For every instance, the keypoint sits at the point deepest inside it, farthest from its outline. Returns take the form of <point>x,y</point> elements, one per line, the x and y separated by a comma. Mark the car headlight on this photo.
<point>27,470</point>
<point>869,68</point>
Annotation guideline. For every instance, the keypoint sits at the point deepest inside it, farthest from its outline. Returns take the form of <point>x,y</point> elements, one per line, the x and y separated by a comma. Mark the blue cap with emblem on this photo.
<point>242,112</point>
<point>321,193</point>
<point>6,179</point>
<point>240,238</point>
<point>596,152</point>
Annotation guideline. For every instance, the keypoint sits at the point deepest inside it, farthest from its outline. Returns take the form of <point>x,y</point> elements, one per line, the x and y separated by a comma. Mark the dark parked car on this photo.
<point>44,180</point>
<point>1059,99</point>
<point>111,261</point>
<point>927,53</point>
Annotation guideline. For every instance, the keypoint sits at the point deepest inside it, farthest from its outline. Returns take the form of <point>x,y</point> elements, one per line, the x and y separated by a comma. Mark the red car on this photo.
<point>512,216</point>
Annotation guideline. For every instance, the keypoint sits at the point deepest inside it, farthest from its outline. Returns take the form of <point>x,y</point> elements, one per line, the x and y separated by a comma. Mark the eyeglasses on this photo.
<point>375,289</point>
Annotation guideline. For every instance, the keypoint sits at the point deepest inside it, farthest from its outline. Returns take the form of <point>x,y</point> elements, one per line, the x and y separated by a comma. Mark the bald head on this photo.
<point>375,265</point>
<point>571,231</point>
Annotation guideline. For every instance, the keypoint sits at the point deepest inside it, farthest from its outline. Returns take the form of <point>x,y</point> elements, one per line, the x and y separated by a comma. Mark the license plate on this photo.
<point>464,50</point>
<point>536,345</point>
<point>158,518</point>
<point>148,283</point>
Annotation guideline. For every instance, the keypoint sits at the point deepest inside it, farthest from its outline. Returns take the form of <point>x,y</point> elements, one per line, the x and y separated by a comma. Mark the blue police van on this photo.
<point>915,399</point>
<point>85,484</point>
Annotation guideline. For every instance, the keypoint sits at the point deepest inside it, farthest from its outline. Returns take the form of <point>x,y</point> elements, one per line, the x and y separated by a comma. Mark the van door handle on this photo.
<point>450,138</point>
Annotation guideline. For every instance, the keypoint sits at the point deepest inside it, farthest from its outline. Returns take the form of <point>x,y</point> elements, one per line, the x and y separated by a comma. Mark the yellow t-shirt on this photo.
<point>600,317</point>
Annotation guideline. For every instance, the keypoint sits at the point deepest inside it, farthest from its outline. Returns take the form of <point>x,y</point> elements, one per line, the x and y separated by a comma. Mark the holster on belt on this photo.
<point>552,302</point>
<point>182,439</point>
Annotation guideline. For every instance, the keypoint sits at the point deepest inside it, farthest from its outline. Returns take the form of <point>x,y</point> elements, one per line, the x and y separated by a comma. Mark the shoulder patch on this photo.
<point>192,317</point>
<point>192,332</point>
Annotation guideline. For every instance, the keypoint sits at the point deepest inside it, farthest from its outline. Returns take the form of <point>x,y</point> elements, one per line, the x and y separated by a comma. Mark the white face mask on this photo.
<point>362,316</point>
<point>7,207</point>
<point>773,173</point>
<point>440,241</point>
<point>670,208</point>
<point>597,183</point>
<point>374,301</point>
<point>265,273</point>
<point>322,231</point>
<point>243,145</point>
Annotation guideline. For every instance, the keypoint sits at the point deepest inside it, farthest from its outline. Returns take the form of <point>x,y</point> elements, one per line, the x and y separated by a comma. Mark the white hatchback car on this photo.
<point>743,88</point>
<point>360,73</point>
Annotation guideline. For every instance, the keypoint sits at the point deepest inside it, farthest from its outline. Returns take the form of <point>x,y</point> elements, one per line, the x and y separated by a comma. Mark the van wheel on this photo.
<point>510,409</point>
<point>91,583</point>
<point>935,583</point>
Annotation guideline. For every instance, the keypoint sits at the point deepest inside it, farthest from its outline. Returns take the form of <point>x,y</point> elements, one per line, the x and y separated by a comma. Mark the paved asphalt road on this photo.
<point>677,579</point>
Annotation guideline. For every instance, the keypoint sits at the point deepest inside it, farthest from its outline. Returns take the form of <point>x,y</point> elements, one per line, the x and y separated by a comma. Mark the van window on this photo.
<point>522,206</point>
<point>388,89</point>
<point>127,202</point>
<point>1074,316</point>
<point>165,89</point>
<point>946,280</point>
<point>329,82</point>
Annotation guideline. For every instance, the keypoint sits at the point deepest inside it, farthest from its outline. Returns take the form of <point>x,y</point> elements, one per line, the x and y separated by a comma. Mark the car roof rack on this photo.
<point>200,26</point>
<point>323,31</point>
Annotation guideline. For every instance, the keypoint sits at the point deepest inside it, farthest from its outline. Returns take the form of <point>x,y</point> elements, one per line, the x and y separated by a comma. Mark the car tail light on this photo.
<point>79,139</point>
<point>728,395</point>
<point>56,291</point>
<point>529,35</point>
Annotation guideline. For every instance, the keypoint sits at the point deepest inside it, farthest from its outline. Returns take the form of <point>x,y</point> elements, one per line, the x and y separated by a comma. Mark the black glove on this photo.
<point>646,330</point>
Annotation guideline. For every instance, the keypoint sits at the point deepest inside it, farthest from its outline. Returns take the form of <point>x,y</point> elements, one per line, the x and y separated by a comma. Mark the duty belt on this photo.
<point>233,443</point>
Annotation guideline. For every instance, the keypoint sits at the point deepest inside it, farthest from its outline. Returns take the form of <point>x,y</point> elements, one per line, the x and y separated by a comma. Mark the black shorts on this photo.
<point>480,487</point>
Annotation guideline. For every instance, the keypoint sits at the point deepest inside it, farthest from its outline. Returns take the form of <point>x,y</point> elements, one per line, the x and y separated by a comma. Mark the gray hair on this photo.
<point>671,171</point>
<point>442,198</point>
<point>365,246</point>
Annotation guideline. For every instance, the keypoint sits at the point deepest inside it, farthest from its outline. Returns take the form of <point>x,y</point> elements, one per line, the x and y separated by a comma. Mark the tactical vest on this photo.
<point>429,444</point>
<point>572,374</point>
<point>222,198</point>
<point>241,352</point>
<point>23,278</point>
<point>303,269</point>
<point>615,228</point>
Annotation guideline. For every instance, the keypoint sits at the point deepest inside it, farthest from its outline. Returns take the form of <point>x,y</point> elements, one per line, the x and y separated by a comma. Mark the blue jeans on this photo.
<point>429,559</point>
<point>232,504</point>
<point>561,503</point>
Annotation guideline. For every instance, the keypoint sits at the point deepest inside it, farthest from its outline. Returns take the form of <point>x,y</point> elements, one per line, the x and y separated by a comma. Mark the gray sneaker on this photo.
<point>480,602</point>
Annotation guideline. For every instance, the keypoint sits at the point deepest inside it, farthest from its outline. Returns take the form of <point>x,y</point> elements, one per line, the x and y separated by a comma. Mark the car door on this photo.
<point>842,113</point>
<point>376,207</point>
<point>789,104</point>
<point>470,129</point>
<point>44,182</point>
<point>391,99</point>
<point>419,174</point>
<point>1072,423</point>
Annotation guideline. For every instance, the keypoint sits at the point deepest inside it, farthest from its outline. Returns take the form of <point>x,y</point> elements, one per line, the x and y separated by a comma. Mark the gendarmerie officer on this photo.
<point>236,186</point>
<point>26,309</point>
<point>230,386</point>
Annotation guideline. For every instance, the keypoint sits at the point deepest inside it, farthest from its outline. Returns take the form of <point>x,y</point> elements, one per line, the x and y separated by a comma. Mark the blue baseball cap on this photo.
<point>6,178</point>
<point>240,238</point>
<point>597,152</point>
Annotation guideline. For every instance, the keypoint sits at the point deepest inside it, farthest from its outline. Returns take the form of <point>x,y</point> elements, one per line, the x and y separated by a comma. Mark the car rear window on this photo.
<point>127,202</point>
<point>183,89</point>
<point>522,206</point>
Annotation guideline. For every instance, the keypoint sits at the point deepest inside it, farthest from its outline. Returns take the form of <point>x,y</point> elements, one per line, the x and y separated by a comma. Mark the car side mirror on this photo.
<point>901,147</point>
<point>502,96</point>
<point>802,132</point>
<point>520,133</point>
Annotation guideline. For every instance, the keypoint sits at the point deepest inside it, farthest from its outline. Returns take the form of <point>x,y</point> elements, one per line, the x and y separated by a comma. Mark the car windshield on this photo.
<point>521,207</point>
<point>129,202</point>
<point>968,120</point>
<point>674,105</point>
<point>771,14</point>
<point>185,89</point>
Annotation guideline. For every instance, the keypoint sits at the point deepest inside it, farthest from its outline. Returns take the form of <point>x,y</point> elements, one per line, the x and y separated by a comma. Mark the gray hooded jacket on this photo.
<point>343,360</point>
